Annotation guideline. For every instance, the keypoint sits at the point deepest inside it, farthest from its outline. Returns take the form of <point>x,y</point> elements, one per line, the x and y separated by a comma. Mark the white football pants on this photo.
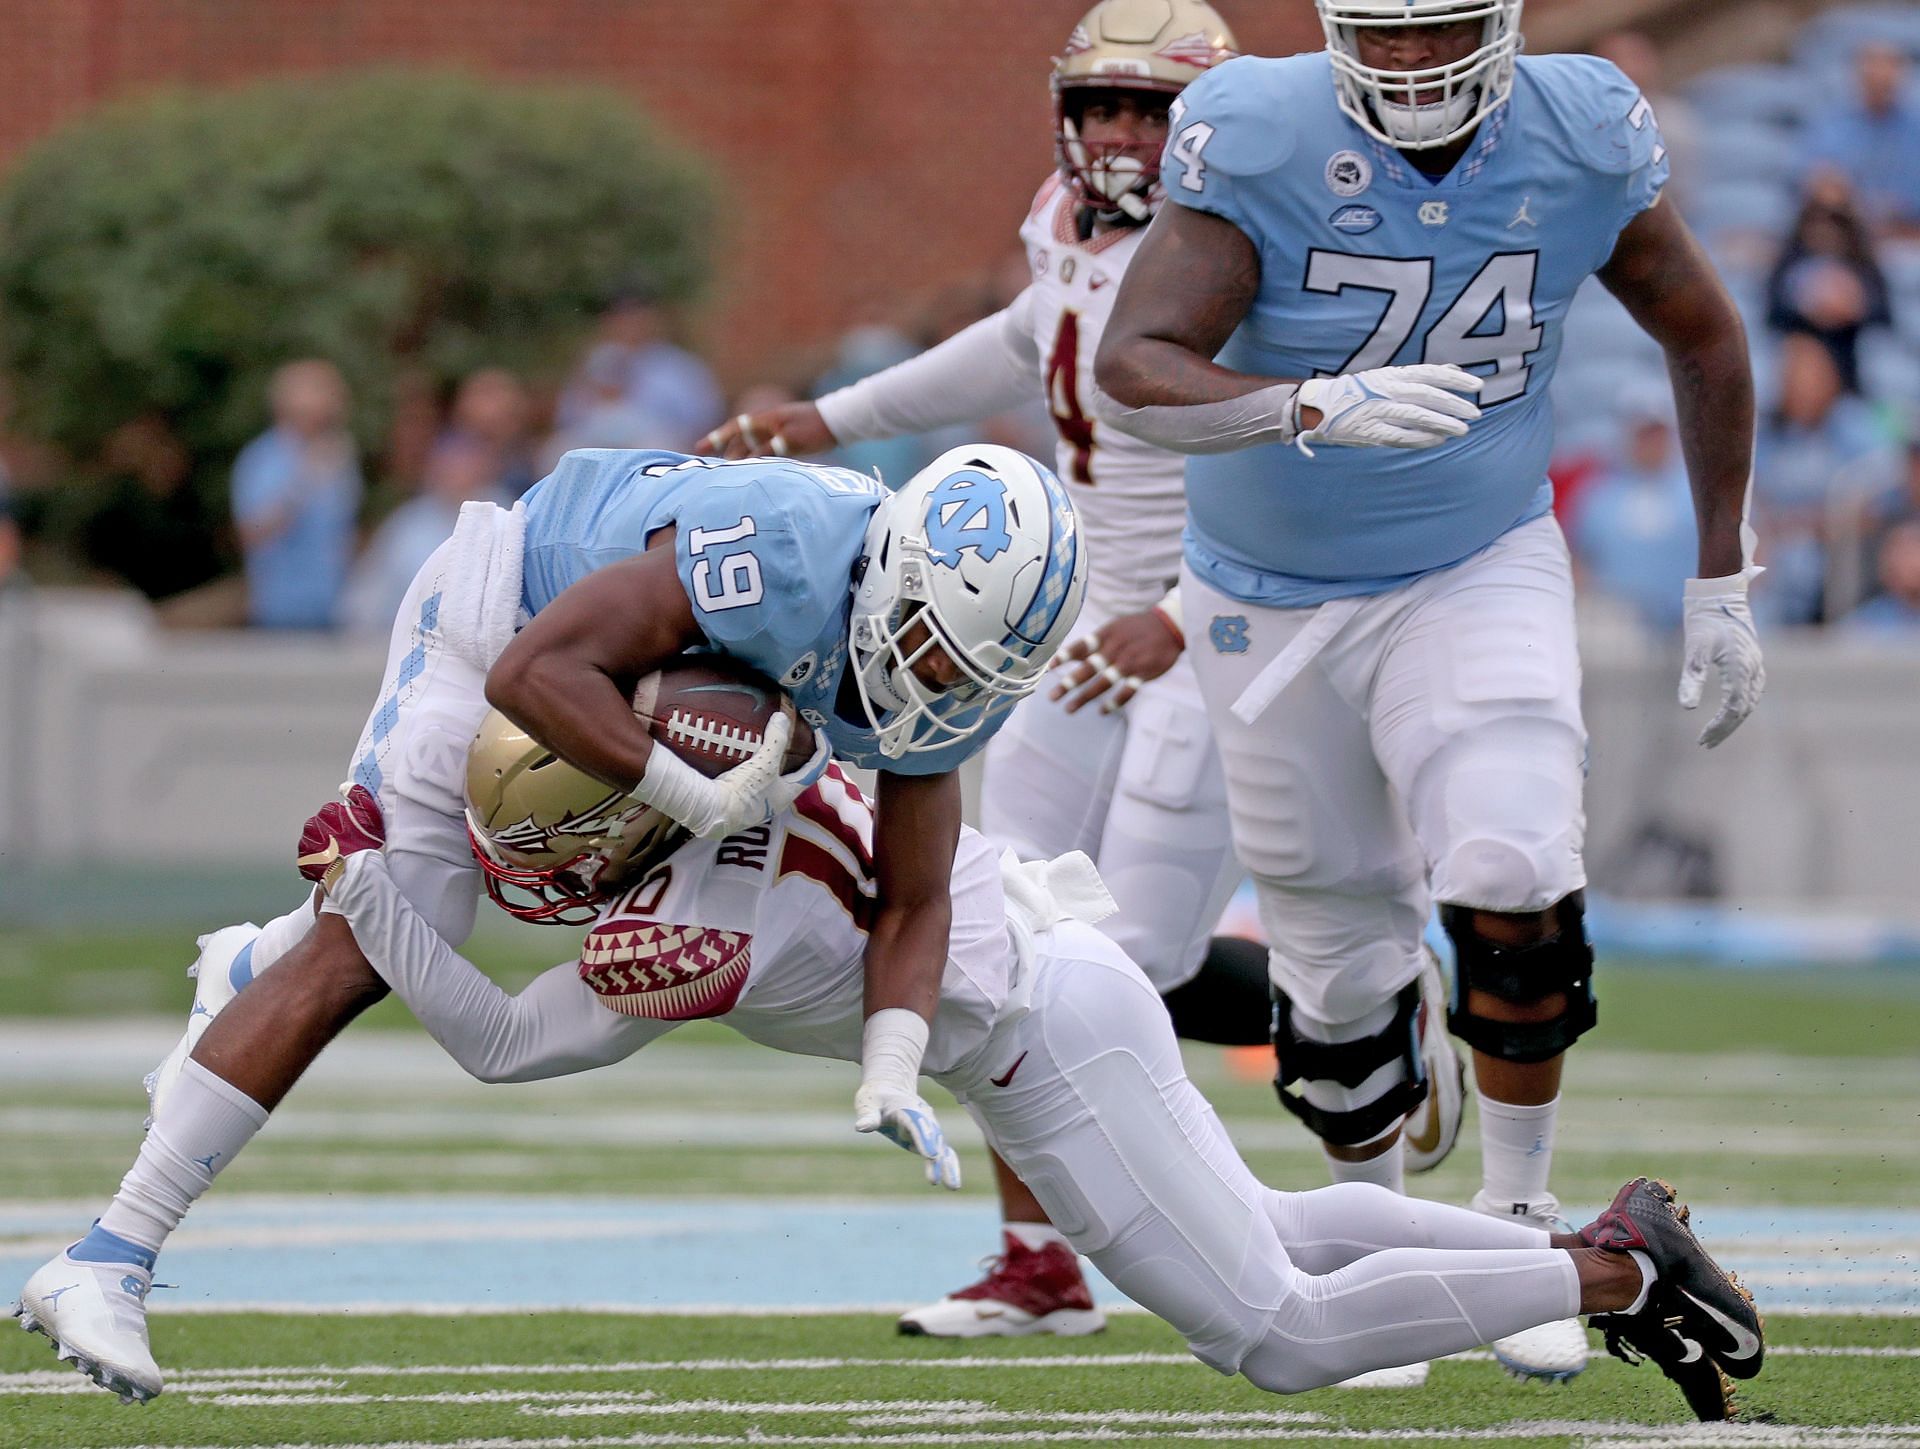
<point>1435,737</point>
<point>1140,791</point>
<point>1295,1290</point>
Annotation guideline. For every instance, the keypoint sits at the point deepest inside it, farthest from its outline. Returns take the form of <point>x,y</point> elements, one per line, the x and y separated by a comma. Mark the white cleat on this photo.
<point>1434,1126</point>
<point>1409,1376</point>
<point>1554,1352</point>
<point>96,1315</point>
<point>223,967</point>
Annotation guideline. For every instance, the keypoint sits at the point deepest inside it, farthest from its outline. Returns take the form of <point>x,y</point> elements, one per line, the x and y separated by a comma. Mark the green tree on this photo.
<point>168,253</point>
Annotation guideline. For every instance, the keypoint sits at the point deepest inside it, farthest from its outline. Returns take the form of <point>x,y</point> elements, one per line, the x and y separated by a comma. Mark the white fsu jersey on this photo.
<point>1131,495</point>
<point>767,929</point>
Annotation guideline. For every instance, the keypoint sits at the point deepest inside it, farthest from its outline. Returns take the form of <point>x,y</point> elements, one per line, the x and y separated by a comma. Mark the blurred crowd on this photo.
<point>1802,179</point>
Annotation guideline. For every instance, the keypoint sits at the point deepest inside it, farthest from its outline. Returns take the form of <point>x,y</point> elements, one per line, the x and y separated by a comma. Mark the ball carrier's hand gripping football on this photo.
<point>889,1100</point>
<point>750,793</point>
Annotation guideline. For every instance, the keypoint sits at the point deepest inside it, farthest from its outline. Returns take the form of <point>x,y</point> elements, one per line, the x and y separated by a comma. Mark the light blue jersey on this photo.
<point>765,549</point>
<point>1365,262</point>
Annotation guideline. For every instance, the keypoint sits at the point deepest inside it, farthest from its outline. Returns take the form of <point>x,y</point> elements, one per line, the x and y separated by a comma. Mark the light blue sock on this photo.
<point>101,1246</point>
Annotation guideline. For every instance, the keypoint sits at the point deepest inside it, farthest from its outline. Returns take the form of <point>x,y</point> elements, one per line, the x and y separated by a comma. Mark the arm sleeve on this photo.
<point>990,367</point>
<point>551,1029</point>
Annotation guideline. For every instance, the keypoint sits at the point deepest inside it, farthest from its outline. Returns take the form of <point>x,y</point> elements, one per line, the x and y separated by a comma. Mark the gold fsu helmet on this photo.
<point>551,839</point>
<point>1140,45</point>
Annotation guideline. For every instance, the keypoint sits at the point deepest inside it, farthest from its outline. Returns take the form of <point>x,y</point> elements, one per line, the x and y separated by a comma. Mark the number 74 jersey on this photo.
<point>1365,262</point>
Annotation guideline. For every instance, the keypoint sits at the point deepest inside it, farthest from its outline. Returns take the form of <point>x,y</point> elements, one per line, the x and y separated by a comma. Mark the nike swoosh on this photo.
<point>1745,1343</point>
<point>1428,1136</point>
<point>1693,1349</point>
<point>1002,1081</point>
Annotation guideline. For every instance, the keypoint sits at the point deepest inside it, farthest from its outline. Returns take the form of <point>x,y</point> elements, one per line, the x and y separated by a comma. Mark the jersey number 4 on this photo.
<point>1490,322</point>
<point>1063,396</point>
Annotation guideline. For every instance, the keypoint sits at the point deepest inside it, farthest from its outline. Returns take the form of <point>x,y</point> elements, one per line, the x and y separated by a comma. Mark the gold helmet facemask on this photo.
<point>1148,47</point>
<point>551,840</point>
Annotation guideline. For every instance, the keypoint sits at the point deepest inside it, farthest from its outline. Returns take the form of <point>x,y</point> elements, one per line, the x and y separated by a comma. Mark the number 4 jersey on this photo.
<point>1366,262</point>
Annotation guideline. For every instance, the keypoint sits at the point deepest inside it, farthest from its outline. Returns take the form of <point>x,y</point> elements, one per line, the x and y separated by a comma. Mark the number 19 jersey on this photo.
<point>1366,262</point>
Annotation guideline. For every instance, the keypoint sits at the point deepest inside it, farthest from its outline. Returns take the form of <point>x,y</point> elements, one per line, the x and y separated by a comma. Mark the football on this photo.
<point>710,710</point>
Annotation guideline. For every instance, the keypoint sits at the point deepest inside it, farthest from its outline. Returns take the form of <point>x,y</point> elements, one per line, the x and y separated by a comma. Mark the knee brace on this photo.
<point>1522,975</point>
<point>1350,1063</point>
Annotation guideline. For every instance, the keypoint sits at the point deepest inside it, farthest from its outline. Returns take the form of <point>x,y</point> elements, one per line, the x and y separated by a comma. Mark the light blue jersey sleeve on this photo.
<point>766,556</point>
<point>1608,129</point>
<point>1225,132</point>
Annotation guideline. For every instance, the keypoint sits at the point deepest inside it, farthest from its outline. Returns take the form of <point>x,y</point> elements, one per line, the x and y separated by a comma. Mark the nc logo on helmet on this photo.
<point>967,510</point>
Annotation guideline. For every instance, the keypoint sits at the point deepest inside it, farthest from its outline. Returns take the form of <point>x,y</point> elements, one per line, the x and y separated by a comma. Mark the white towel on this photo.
<point>480,596</point>
<point>1040,895</point>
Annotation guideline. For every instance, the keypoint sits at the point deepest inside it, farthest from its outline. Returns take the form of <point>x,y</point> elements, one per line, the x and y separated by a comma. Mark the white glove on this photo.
<point>889,1100</point>
<point>751,793</point>
<point>1718,633</point>
<point>1390,407</point>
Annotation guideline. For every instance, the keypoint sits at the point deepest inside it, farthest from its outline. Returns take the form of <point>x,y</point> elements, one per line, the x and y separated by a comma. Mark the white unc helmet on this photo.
<point>1385,104</point>
<point>983,548</point>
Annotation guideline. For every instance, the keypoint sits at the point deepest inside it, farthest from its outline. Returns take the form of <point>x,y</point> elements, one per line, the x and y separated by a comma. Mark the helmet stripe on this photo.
<point>1063,555</point>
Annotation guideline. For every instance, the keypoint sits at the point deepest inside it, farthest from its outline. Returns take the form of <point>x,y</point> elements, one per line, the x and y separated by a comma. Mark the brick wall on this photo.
<point>866,148</point>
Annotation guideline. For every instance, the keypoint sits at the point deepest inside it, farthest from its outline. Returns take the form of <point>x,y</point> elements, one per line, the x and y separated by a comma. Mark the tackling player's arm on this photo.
<point>916,830</point>
<point>568,676</point>
<point>1192,283</point>
<point>1662,277</point>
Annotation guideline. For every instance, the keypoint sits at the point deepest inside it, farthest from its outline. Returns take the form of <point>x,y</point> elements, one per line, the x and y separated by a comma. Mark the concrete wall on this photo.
<point>121,746</point>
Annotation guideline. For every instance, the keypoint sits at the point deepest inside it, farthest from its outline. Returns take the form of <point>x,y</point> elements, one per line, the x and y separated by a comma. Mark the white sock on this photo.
<point>202,1123</point>
<point>1647,1276</point>
<point>1516,1150</point>
<point>1388,1170</point>
<point>281,935</point>
<point>1035,1236</point>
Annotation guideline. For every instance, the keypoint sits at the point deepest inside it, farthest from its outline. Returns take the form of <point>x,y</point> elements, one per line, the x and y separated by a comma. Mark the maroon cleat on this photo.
<point>1026,1291</point>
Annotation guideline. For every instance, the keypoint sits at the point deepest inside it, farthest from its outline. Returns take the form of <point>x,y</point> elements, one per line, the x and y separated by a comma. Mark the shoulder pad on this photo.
<point>1248,101</point>
<point>1597,116</point>
<point>1048,190</point>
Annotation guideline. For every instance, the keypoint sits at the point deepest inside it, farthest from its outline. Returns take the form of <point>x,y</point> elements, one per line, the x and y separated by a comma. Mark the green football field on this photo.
<point>408,1242</point>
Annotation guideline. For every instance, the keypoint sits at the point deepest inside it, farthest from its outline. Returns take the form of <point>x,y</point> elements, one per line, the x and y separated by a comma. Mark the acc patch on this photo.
<point>1348,173</point>
<point>1355,220</point>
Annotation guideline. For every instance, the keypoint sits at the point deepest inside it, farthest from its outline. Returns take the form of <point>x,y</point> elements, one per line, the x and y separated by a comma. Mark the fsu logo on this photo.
<point>1195,50</point>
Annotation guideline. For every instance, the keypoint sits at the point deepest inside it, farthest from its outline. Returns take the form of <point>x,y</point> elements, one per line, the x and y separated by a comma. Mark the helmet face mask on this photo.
<point>1434,106</point>
<point>551,841</point>
<point>1143,48</point>
<point>977,556</point>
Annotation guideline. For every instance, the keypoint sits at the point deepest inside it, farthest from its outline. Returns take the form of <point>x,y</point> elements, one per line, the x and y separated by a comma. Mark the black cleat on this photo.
<point>1713,1312</point>
<point>1656,1333</point>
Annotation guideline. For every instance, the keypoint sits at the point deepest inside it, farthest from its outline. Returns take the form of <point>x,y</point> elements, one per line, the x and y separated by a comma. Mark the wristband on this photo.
<point>1169,611</point>
<point>891,1045</point>
<point>674,788</point>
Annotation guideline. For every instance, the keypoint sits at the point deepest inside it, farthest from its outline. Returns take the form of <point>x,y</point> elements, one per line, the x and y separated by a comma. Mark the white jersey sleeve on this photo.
<point>981,370</point>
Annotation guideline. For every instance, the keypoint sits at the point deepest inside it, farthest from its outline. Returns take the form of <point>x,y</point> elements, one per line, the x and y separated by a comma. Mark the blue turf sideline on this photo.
<point>480,1253</point>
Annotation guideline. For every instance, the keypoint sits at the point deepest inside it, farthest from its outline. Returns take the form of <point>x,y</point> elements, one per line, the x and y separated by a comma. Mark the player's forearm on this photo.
<point>1174,399</point>
<point>1713,395</point>
<point>985,369</point>
<point>916,831</point>
<point>575,710</point>
<point>907,956</point>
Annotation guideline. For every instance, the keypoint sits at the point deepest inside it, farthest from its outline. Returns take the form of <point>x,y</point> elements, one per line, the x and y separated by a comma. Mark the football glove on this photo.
<point>336,830</point>
<point>751,793</point>
<point>889,1100</point>
<point>1390,407</point>
<point>1718,634</point>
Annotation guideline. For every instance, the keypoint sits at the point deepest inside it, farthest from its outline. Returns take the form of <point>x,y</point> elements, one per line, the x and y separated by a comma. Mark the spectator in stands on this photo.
<point>9,540</point>
<point>867,348</point>
<point>1633,530</point>
<point>1827,282</point>
<point>1874,140</point>
<point>1640,59</point>
<point>663,381</point>
<point>491,408</point>
<point>1895,610</point>
<point>1822,457</point>
<point>149,526</point>
<point>296,491</point>
<point>603,414</point>
<point>461,469</point>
